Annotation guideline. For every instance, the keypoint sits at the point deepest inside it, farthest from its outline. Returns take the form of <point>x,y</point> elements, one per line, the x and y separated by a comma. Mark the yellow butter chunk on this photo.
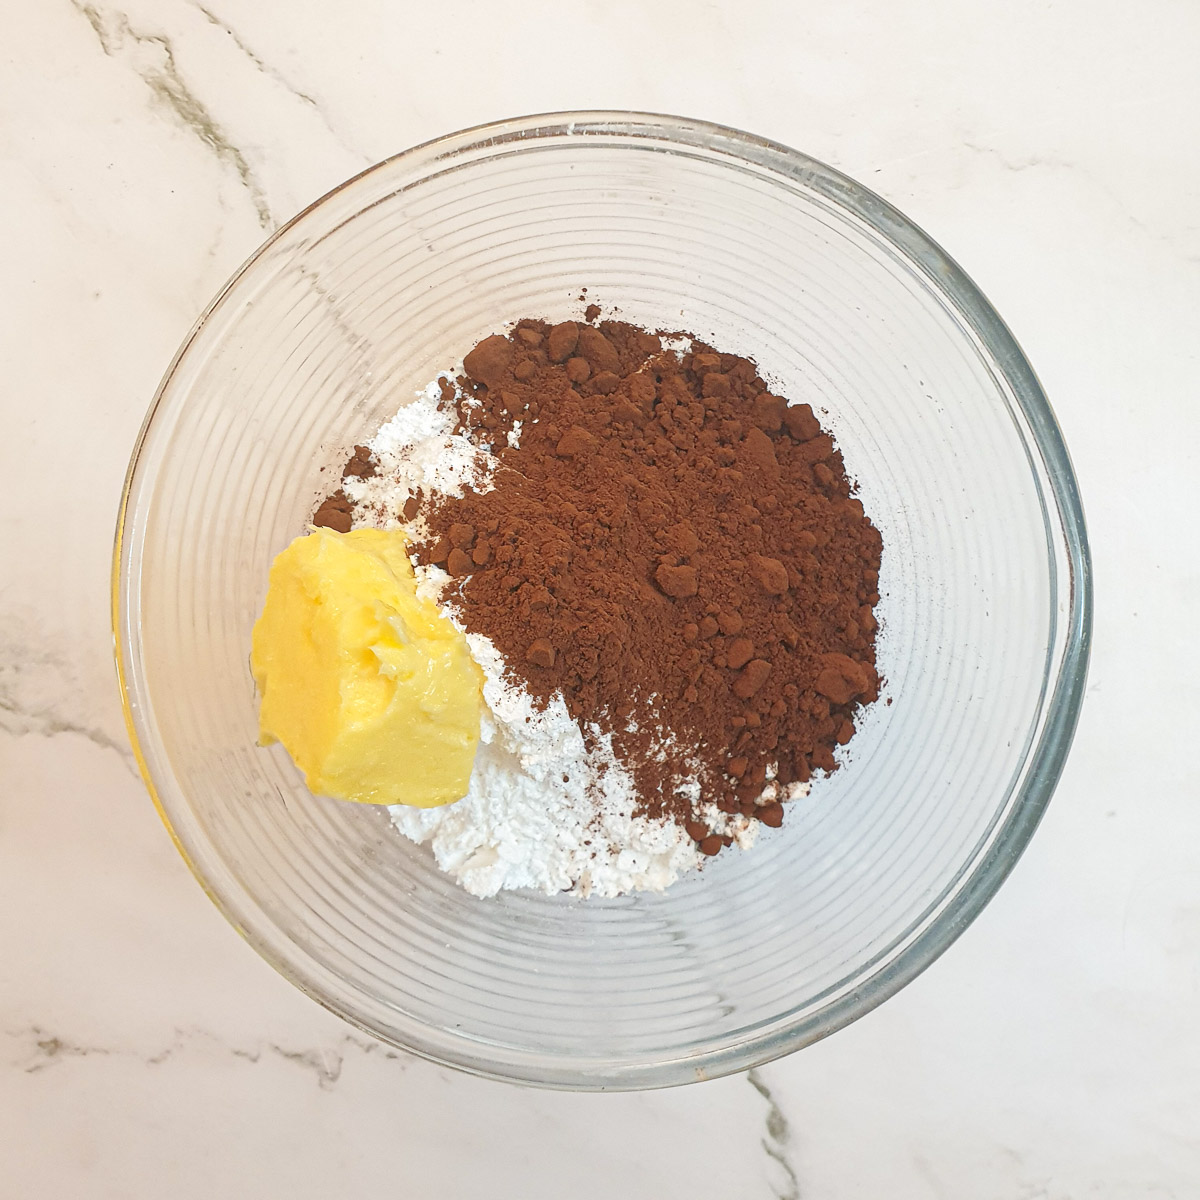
<point>371,690</point>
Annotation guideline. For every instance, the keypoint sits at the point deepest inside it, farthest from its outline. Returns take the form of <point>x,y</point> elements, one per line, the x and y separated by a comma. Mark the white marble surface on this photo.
<point>147,146</point>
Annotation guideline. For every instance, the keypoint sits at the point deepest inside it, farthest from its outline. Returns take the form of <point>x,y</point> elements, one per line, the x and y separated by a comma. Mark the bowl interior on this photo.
<point>355,306</point>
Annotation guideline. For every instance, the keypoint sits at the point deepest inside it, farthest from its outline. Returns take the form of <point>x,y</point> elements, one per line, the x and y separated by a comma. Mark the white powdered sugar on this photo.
<point>418,451</point>
<point>545,809</point>
<point>542,811</point>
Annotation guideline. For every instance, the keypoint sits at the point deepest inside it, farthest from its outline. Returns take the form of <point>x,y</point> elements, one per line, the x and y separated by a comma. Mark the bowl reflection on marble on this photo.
<point>985,610</point>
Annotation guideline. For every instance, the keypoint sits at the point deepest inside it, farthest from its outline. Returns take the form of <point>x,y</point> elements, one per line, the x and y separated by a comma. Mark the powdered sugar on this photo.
<point>544,811</point>
<point>418,451</point>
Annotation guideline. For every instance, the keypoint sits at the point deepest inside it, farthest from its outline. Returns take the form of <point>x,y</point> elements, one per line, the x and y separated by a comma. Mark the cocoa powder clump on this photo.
<point>335,512</point>
<point>672,547</point>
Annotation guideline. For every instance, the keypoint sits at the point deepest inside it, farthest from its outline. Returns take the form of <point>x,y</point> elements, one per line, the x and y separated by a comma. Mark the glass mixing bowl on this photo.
<point>985,610</point>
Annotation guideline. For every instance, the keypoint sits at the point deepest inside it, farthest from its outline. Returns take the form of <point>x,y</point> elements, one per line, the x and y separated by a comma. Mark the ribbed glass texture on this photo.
<point>985,611</point>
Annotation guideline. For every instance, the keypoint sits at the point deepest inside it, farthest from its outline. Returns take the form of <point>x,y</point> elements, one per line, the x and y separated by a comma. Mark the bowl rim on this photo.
<point>1047,753</point>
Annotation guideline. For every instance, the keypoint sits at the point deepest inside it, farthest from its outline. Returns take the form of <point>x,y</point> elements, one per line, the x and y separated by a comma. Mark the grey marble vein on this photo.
<point>49,1050</point>
<point>1014,164</point>
<point>265,68</point>
<point>44,1049</point>
<point>776,1143</point>
<point>273,73</point>
<point>326,1063</point>
<point>361,351</point>
<point>1049,162</point>
<point>19,721</point>
<point>925,1169</point>
<point>152,58</point>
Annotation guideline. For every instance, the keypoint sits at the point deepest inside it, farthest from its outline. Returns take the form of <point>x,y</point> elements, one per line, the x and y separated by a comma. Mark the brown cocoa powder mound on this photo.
<point>673,548</point>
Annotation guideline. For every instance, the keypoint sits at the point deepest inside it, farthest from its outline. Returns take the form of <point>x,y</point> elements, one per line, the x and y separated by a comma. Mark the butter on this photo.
<point>371,690</point>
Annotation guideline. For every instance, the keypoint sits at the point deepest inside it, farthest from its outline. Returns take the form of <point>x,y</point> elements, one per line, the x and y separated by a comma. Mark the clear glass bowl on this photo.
<point>360,301</point>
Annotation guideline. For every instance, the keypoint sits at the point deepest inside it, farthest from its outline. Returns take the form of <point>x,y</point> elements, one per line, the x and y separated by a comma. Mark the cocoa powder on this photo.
<point>671,546</point>
<point>336,511</point>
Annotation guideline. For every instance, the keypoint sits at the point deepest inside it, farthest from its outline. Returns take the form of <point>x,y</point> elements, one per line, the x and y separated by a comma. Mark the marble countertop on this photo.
<point>148,146</point>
